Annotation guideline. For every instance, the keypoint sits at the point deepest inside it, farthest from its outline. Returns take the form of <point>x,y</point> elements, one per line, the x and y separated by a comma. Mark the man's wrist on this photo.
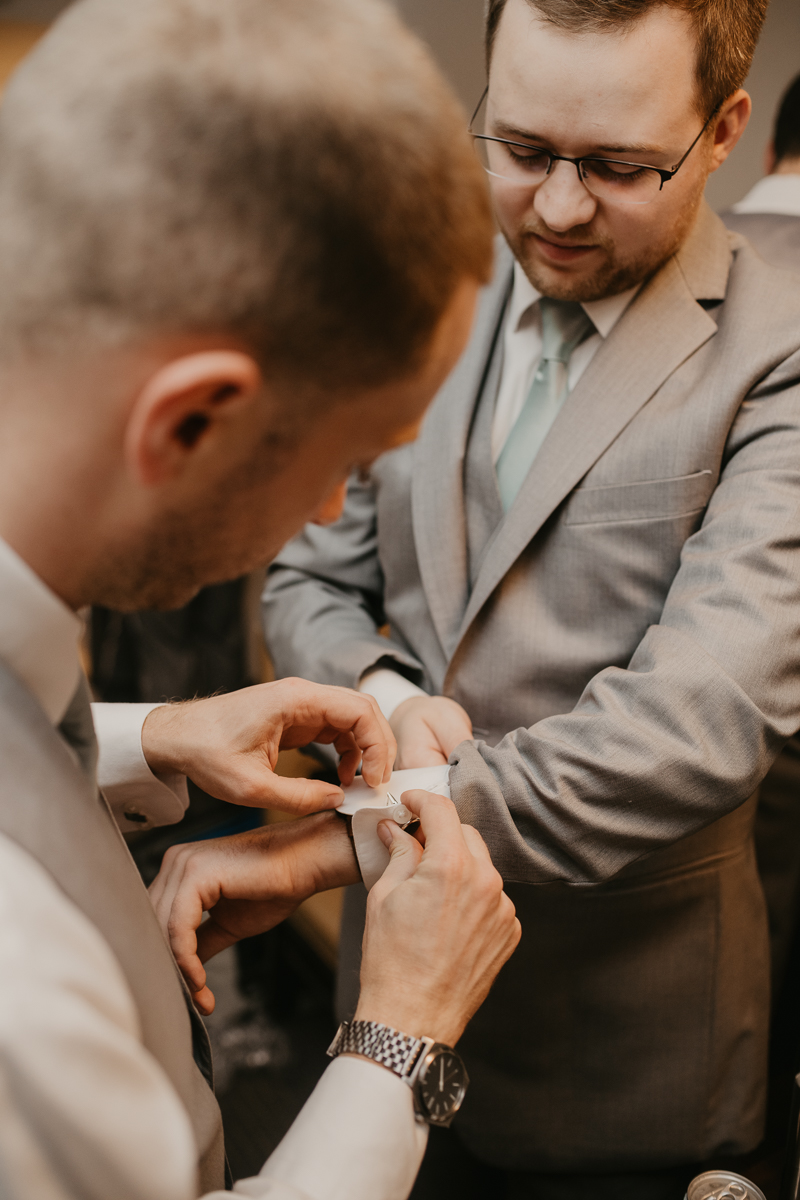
<point>337,856</point>
<point>160,742</point>
<point>412,1017</point>
<point>408,702</point>
<point>389,688</point>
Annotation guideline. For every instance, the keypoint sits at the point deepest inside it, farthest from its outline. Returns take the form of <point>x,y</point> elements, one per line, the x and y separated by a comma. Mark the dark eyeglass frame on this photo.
<point>665,175</point>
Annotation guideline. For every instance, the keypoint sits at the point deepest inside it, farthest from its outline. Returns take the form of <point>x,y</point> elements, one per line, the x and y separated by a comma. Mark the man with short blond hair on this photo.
<point>589,564</point>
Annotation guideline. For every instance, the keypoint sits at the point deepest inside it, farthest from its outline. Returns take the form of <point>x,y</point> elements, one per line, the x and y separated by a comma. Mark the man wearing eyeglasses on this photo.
<point>590,568</point>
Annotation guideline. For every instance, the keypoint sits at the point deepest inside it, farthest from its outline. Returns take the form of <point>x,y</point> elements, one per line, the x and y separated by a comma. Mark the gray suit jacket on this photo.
<point>628,647</point>
<point>776,237</point>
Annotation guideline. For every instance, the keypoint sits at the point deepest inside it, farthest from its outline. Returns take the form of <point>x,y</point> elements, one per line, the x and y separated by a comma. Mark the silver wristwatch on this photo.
<point>435,1073</point>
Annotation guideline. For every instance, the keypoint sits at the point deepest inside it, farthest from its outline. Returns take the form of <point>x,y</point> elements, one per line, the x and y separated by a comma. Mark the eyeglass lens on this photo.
<point>616,183</point>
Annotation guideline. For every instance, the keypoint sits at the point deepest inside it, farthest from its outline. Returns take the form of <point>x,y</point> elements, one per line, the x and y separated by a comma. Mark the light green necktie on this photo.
<point>564,326</point>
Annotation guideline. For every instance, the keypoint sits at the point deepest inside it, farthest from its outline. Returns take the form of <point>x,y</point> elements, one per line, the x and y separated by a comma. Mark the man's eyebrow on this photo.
<point>628,150</point>
<point>525,135</point>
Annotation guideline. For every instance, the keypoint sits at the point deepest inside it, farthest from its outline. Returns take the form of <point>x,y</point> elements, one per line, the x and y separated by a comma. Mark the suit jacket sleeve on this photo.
<point>322,602</point>
<point>685,733</point>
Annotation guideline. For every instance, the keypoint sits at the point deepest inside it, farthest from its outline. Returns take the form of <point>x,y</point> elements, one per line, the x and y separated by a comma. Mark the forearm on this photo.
<point>324,631</point>
<point>389,688</point>
<point>325,857</point>
<point>648,756</point>
<point>246,884</point>
<point>279,864</point>
<point>684,734</point>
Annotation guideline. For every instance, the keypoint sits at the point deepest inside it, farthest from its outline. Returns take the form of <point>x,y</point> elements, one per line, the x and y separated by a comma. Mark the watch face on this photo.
<point>442,1085</point>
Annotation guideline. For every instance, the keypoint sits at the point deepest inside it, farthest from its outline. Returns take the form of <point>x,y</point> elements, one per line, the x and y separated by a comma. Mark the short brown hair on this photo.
<point>726,30</point>
<point>295,173</point>
<point>787,124</point>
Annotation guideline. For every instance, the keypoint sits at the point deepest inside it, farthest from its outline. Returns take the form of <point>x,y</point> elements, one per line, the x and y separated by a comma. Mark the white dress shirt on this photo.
<point>522,353</point>
<point>779,194</point>
<point>39,640</point>
<point>86,1113</point>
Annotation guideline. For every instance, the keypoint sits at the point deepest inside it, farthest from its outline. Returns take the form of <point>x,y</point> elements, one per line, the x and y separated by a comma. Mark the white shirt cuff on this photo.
<point>369,806</point>
<point>138,798</point>
<point>389,688</point>
<point>356,1138</point>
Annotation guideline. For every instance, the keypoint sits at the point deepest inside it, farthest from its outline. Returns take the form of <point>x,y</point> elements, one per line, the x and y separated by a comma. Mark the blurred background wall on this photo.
<point>776,63</point>
<point>454,30</point>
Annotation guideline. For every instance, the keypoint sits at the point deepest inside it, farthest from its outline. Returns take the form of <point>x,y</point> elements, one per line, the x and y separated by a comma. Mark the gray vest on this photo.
<point>482,505</point>
<point>50,806</point>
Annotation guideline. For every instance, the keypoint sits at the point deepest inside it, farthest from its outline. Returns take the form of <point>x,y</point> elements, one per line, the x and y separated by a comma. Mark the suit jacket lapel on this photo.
<point>661,329</point>
<point>438,466</point>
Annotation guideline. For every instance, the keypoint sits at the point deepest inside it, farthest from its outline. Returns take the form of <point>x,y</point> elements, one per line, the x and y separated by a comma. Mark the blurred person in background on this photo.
<point>769,215</point>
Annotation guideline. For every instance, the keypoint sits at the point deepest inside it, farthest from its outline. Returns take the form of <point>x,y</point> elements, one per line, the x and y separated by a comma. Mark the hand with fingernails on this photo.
<point>439,925</point>
<point>428,729</point>
<point>229,745</point>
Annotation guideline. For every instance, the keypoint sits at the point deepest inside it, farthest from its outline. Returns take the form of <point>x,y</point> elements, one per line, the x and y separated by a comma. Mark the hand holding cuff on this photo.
<point>367,807</point>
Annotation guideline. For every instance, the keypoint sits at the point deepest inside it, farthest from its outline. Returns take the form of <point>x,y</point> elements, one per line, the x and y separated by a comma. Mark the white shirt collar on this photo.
<point>38,635</point>
<point>778,194</point>
<point>603,314</point>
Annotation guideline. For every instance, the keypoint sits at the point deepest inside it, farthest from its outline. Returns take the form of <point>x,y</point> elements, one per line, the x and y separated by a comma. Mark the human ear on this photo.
<point>183,407</point>
<point>731,124</point>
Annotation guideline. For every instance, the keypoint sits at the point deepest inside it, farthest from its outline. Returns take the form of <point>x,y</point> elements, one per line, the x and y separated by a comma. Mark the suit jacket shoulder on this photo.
<point>752,299</point>
<point>774,236</point>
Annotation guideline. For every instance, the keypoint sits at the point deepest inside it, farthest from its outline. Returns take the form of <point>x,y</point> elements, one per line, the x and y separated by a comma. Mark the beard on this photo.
<point>169,570</point>
<point>616,273</point>
<point>235,526</point>
<point>166,568</point>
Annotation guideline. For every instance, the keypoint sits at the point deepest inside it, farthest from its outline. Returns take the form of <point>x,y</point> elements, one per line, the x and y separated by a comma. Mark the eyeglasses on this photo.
<point>519,164</point>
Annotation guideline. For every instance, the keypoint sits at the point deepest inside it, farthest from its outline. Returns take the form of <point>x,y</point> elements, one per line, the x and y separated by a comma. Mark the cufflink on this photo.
<point>136,818</point>
<point>402,815</point>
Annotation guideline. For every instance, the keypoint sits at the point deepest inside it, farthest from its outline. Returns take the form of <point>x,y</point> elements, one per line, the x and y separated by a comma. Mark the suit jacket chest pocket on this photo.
<point>648,500</point>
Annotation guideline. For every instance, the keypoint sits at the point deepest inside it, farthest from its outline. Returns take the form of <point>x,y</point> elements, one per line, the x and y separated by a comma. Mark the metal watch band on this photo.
<point>399,1052</point>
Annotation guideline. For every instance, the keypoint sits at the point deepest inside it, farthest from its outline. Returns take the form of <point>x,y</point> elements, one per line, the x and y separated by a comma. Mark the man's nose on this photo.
<point>562,201</point>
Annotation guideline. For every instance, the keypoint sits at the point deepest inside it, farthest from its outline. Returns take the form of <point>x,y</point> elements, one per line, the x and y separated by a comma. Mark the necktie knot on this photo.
<point>564,326</point>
